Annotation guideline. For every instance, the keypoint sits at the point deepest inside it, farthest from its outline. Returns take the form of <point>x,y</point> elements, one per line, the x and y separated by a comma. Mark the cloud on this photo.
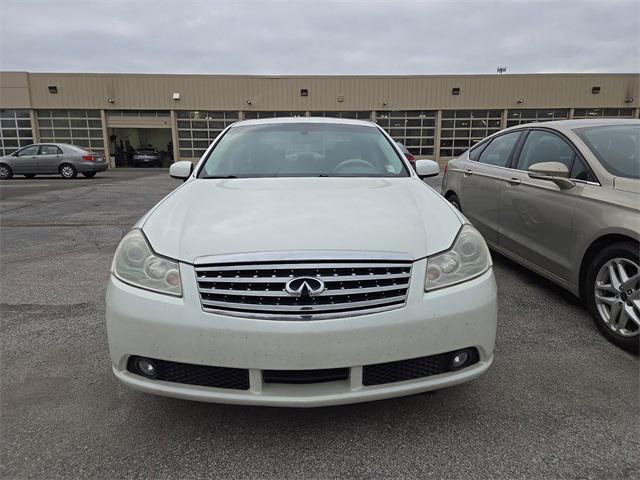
<point>320,37</point>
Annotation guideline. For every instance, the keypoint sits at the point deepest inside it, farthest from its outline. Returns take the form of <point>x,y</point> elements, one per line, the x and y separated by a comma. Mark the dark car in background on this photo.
<point>147,156</point>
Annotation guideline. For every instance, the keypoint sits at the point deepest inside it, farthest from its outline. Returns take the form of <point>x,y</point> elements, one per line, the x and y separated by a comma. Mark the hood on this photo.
<point>220,216</point>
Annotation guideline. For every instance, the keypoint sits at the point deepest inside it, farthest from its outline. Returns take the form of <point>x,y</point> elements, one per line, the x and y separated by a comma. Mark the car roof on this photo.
<point>325,120</point>
<point>581,123</point>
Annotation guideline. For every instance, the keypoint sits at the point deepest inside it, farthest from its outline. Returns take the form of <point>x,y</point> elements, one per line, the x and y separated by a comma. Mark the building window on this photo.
<point>137,113</point>
<point>363,115</point>
<point>415,128</point>
<point>15,130</point>
<point>253,115</point>
<point>461,129</point>
<point>198,129</point>
<point>78,127</point>
<point>518,117</point>
<point>603,112</point>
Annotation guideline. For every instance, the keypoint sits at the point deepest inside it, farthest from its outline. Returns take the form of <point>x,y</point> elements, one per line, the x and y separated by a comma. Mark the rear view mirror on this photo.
<point>555,172</point>
<point>427,168</point>
<point>181,170</point>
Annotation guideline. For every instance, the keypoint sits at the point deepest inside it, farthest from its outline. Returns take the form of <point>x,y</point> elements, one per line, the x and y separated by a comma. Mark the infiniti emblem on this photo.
<point>304,286</point>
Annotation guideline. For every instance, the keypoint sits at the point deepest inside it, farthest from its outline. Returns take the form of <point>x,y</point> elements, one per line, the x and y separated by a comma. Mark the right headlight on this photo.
<point>136,264</point>
<point>467,258</point>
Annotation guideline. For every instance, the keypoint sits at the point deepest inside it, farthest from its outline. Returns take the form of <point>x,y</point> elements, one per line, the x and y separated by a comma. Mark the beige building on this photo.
<point>435,116</point>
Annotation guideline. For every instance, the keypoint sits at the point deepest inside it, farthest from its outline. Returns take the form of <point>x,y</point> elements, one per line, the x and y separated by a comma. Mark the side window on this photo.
<point>476,151</point>
<point>581,172</point>
<point>543,146</point>
<point>28,151</point>
<point>49,150</point>
<point>498,151</point>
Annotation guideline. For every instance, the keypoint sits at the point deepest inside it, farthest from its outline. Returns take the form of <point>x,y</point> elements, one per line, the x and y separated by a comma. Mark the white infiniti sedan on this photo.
<point>302,263</point>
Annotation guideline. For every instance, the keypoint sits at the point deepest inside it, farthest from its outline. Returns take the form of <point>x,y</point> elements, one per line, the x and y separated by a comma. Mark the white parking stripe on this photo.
<point>25,185</point>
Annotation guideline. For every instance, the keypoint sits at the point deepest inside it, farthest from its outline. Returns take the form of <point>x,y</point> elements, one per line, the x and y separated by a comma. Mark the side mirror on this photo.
<point>555,172</point>
<point>181,170</point>
<point>427,168</point>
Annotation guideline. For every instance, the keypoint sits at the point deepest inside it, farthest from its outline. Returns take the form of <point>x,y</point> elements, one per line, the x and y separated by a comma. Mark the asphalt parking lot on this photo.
<point>20,186</point>
<point>559,401</point>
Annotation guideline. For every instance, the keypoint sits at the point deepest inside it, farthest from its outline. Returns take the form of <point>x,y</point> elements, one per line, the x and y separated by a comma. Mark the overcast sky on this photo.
<point>320,37</point>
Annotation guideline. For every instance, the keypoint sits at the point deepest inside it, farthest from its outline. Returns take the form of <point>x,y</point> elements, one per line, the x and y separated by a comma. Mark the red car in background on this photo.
<point>408,154</point>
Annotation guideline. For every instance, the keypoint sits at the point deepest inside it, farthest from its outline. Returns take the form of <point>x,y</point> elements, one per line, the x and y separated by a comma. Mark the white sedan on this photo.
<point>302,263</point>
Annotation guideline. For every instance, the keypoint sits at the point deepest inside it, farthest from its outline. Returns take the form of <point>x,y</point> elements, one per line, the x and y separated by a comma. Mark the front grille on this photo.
<point>305,376</point>
<point>413,368</point>
<point>202,375</point>
<point>257,289</point>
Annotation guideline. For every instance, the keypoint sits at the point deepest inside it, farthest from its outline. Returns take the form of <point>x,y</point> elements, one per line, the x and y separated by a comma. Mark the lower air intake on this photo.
<point>202,375</point>
<point>413,368</point>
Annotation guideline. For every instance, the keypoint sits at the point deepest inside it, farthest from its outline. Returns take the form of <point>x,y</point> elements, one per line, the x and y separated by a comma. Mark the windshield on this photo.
<point>616,146</point>
<point>303,150</point>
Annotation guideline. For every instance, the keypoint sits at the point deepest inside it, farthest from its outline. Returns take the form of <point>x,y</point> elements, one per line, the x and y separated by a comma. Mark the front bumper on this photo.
<point>177,329</point>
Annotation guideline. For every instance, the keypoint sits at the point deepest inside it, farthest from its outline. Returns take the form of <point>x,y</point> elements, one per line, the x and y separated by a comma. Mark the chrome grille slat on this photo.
<point>304,309</point>
<point>298,265</point>
<point>338,278</point>
<point>280,293</point>
<point>351,286</point>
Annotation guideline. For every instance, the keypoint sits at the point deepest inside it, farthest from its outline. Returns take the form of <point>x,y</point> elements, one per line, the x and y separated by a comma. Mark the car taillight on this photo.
<point>88,157</point>
<point>411,158</point>
<point>446,167</point>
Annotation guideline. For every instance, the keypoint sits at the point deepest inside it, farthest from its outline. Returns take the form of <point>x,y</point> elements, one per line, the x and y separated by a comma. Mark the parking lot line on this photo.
<point>26,185</point>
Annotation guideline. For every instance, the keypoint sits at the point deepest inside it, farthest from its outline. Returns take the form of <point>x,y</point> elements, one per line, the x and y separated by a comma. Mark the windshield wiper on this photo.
<point>221,176</point>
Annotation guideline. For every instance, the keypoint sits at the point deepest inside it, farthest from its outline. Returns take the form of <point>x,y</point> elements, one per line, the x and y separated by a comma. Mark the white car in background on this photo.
<point>302,263</point>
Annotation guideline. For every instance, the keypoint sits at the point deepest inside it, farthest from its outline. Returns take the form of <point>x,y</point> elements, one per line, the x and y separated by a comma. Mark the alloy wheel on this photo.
<point>617,296</point>
<point>67,171</point>
<point>4,171</point>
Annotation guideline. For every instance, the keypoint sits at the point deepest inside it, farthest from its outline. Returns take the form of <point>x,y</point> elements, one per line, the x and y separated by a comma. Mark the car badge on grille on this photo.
<point>304,286</point>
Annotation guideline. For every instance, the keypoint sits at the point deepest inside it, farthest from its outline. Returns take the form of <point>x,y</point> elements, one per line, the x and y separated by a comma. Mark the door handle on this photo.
<point>468,172</point>
<point>514,181</point>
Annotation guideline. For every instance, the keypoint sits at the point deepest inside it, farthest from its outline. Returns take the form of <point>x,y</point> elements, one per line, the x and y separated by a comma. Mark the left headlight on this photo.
<point>469,257</point>
<point>136,264</point>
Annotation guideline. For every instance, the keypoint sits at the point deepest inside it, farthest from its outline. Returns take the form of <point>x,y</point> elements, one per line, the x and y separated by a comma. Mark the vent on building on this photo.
<point>53,89</point>
<point>595,90</point>
<point>304,92</point>
<point>455,91</point>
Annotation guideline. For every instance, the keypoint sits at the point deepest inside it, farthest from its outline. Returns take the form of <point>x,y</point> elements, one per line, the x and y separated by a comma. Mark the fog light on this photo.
<point>146,367</point>
<point>460,359</point>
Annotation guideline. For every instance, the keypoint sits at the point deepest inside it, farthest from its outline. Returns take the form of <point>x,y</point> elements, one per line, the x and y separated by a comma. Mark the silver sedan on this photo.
<point>563,199</point>
<point>47,158</point>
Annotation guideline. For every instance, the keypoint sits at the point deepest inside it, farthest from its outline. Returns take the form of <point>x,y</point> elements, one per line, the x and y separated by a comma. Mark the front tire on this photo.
<point>68,171</point>
<point>89,174</point>
<point>612,294</point>
<point>5,171</point>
